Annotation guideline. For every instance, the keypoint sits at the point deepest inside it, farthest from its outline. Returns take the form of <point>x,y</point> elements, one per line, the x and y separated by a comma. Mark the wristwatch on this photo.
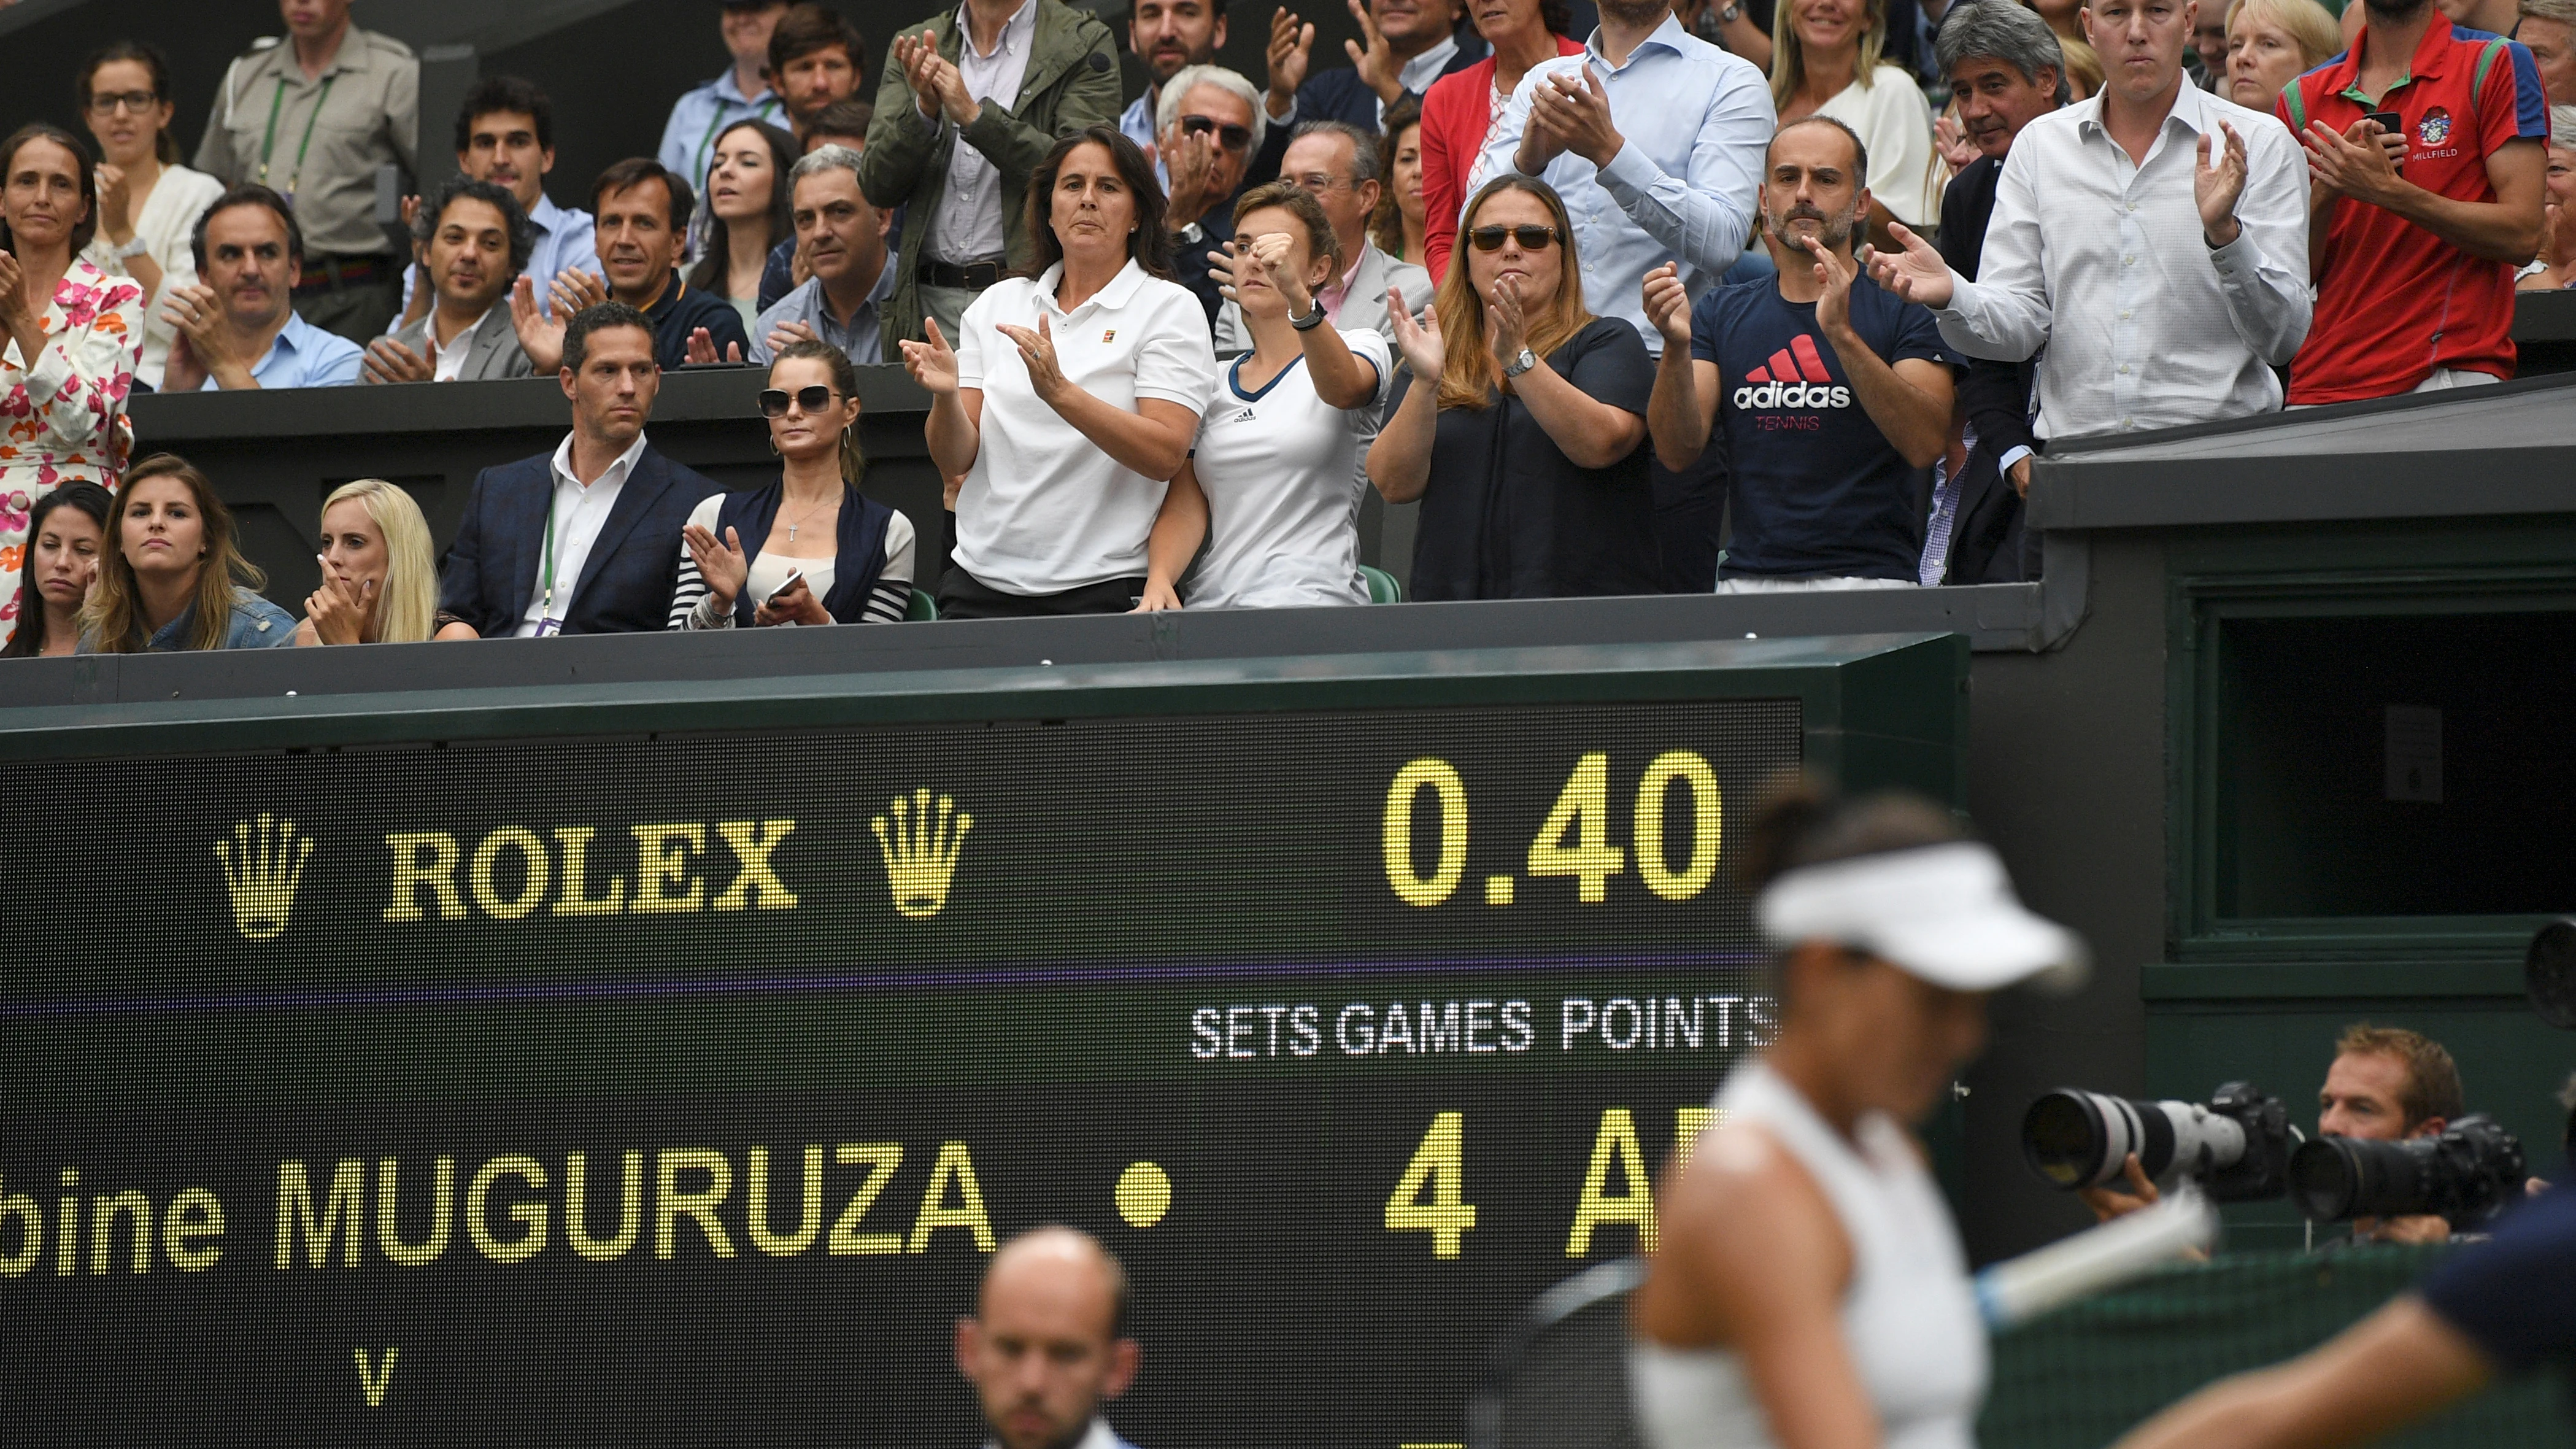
<point>1314,317</point>
<point>1733,12</point>
<point>135,247</point>
<point>1520,364</point>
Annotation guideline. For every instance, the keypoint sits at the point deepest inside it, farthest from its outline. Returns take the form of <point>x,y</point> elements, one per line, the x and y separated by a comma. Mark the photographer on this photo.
<point>2386,1084</point>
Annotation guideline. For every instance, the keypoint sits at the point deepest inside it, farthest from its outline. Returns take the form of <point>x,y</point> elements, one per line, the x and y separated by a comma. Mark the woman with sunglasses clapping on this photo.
<point>809,548</point>
<point>1522,427</point>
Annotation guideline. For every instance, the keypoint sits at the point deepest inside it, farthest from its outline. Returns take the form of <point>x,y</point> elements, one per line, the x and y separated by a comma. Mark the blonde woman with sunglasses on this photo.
<point>1522,426</point>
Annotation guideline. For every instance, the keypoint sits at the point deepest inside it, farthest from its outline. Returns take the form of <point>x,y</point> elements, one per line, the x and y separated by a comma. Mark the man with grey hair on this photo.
<point>1210,123</point>
<point>1337,163</point>
<point>2548,31</point>
<point>2005,68</point>
<point>843,239</point>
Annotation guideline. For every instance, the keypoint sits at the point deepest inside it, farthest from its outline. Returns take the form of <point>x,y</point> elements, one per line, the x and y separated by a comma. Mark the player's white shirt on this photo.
<point>1282,471</point>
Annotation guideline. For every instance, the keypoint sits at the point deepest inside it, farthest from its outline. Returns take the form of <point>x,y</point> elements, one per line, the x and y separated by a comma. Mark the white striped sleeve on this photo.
<point>691,608</point>
<point>890,598</point>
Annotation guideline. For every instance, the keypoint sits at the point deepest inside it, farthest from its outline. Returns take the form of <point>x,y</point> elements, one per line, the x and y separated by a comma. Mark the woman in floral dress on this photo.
<point>72,337</point>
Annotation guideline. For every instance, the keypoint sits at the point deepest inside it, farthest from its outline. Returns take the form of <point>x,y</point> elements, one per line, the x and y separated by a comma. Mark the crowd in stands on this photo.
<point>1752,295</point>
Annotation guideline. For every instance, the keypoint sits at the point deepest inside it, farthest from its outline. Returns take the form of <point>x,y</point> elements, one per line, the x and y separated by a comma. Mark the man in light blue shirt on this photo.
<point>237,325</point>
<point>1169,36</point>
<point>505,134</point>
<point>741,93</point>
<point>844,240</point>
<point>1655,138</point>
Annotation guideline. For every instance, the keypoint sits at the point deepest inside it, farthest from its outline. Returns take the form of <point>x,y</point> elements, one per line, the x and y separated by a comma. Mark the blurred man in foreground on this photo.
<point>1046,1348</point>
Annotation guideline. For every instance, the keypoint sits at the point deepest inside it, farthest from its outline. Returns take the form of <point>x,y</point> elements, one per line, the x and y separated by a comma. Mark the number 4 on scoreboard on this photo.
<point>1438,1169</point>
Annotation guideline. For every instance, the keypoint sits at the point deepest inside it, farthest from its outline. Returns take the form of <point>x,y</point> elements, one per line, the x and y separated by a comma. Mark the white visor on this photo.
<point>1944,913</point>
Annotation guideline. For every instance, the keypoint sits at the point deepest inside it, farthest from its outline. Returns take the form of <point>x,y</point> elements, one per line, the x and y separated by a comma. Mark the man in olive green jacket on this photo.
<point>1067,79</point>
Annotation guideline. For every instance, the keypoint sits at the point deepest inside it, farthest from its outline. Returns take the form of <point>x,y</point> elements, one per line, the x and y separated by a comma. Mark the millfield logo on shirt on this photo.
<point>1795,378</point>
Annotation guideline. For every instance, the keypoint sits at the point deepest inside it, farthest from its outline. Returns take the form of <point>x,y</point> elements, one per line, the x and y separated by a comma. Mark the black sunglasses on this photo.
<point>1531,238</point>
<point>1232,138</point>
<point>773,400</point>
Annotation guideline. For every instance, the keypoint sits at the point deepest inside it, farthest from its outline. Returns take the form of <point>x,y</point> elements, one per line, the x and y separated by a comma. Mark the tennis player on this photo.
<point>1809,1290</point>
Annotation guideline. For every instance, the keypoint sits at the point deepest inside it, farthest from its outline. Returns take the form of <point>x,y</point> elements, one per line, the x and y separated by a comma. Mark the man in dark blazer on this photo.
<point>586,541</point>
<point>2006,70</point>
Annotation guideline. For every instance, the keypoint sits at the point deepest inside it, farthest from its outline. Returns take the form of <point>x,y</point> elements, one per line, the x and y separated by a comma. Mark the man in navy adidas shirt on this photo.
<point>1834,395</point>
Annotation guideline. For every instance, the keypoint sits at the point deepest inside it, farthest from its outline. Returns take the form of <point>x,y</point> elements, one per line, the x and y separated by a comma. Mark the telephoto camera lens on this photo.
<point>2236,1145</point>
<point>2466,1174</point>
<point>2077,1139</point>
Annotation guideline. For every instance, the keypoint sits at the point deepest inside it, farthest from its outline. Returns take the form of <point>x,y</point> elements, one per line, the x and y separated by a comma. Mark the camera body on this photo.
<point>2236,1145</point>
<point>2466,1173</point>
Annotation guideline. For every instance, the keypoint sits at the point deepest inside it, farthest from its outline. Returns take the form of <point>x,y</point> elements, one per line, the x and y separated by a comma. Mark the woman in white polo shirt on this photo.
<point>1071,397</point>
<point>1273,487</point>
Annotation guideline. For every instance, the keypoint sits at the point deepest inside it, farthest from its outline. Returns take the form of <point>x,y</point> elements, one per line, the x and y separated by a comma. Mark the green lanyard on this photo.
<point>765,109</point>
<point>546,610</point>
<point>268,146</point>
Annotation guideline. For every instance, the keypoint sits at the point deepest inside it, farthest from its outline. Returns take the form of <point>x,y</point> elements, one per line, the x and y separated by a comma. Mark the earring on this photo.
<point>773,446</point>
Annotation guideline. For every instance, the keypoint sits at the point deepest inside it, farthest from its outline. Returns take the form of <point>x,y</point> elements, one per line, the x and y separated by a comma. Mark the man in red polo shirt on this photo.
<point>2414,262</point>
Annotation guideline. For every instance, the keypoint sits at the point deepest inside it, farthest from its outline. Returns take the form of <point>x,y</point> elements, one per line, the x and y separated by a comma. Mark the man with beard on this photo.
<point>1170,36</point>
<point>475,241</point>
<point>2005,68</point>
<point>2414,262</point>
<point>2172,264</point>
<point>816,59</point>
<point>237,326</point>
<point>1047,1346</point>
<point>1828,442</point>
<point>1655,139</point>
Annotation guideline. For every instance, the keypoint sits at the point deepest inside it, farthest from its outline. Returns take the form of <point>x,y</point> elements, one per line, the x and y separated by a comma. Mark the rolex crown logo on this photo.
<point>921,849</point>
<point>263,864</point>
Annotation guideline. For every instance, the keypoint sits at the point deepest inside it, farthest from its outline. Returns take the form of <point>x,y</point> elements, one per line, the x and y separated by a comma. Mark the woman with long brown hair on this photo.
<point>173,576</point>
<point>66,532</point>
<point>69,335</point>
<point>1399,224</point>
<point>1522,427</point>
<point>747,212</point>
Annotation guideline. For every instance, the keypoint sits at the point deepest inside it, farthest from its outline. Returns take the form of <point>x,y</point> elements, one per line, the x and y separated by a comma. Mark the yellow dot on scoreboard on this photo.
<point>1144,1194</point>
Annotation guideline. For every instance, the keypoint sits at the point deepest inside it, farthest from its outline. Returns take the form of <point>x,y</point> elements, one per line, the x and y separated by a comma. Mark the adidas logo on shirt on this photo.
<point>1245,416</point>
<point>1795,377</point>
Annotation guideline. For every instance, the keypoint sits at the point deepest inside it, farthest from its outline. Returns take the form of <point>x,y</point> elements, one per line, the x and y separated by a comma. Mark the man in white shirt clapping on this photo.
<point>2157,232</point>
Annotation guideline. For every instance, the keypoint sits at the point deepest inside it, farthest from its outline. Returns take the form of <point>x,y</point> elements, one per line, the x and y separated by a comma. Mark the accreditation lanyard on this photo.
<point>268,145</point>
<point>765,109</point>
<point>547,622</point>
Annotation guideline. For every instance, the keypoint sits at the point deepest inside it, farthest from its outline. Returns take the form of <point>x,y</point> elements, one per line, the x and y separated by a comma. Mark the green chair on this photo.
<point>922,608</point>
<point>1383,589</point>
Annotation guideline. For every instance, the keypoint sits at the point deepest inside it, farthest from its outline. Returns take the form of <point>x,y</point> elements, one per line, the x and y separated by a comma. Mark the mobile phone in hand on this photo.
<point>793,580</point>
<point>2392,124</point>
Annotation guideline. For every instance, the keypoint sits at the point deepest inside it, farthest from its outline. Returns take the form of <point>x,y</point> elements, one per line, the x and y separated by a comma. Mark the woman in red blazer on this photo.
<point>1460,108</point>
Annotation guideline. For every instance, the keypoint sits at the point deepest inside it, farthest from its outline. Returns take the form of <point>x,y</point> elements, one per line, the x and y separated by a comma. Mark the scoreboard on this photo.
<point>659,1065</point>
